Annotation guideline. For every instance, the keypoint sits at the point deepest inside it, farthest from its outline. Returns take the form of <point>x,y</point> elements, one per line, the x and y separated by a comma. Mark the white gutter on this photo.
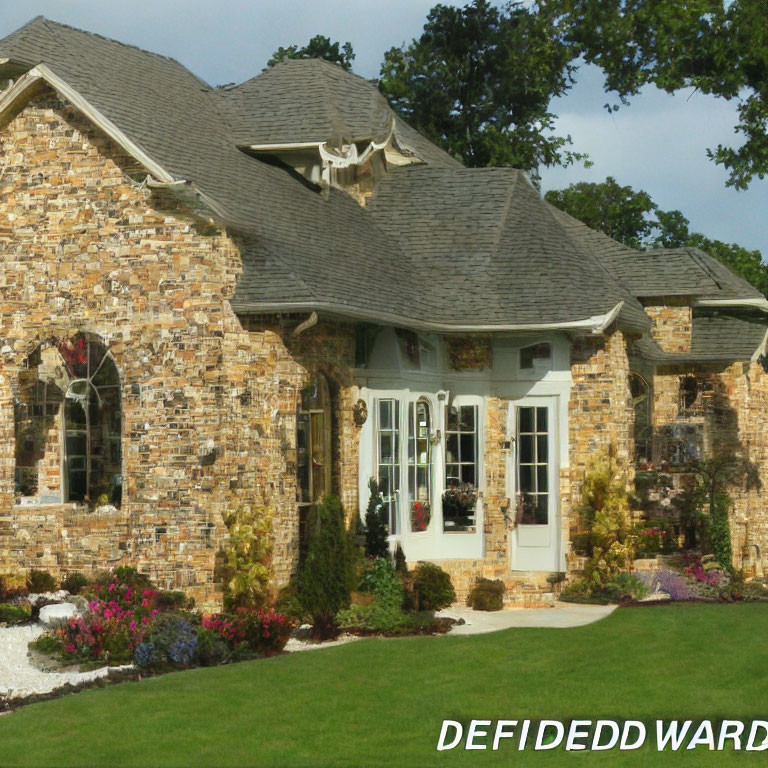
<point>761,303</point>
<point>41,72</point>
<point>285,147</point>
<point>596,324</point>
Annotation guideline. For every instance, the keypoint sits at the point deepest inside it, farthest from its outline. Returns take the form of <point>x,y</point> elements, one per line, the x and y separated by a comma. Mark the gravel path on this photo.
<point>18,678</point>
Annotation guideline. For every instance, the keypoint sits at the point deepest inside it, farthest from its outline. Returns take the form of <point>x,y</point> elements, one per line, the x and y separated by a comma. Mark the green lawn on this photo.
<point>381,702</point>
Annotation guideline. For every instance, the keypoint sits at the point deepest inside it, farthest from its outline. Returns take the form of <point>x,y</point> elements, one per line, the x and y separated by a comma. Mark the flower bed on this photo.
<point>128,620</point>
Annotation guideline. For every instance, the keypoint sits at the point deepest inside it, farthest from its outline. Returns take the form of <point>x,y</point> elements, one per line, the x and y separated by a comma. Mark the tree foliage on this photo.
<point>479,80</point>
<point>631,217</point>
<point>716,47</point>
<point>328,574</point>
<point>319,47</point>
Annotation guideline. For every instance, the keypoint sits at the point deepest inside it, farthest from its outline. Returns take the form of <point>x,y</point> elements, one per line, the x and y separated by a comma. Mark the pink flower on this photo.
<point>69,648</point>
<point>107,614</point>
<point>133,625</point>
<point>146,620</point>
<point>111,588</point>
<point>155,612</point>
<point>94,606</point>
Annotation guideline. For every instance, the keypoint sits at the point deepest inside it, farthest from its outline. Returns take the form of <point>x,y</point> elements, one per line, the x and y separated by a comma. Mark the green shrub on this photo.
<point>719,530</point>
<point>40,581</point>
<point>625,587</point>
<point>123,574</point>
<point>582,591</point>
<point>15,613</point>
<point>376,529</point>
<point>12,587</point>
<point>487,595</point>
<point>288,603</point>
<point>48,643</point>
<point>210,649</point>
<point>74,582</point>
<point>327,576</point>
<point>433,587</point>
<point>380,579</point>
<point>246,559</point>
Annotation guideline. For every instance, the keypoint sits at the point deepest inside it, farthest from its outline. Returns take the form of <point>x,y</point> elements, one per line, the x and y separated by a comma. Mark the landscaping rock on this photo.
<point>51,615</point>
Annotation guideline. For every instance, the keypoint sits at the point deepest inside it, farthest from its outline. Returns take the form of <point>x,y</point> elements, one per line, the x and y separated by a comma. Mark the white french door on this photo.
<point>533,484</point>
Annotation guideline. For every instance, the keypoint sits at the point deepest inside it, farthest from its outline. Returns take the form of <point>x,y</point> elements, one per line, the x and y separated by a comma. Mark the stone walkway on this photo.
<point>563,615</point>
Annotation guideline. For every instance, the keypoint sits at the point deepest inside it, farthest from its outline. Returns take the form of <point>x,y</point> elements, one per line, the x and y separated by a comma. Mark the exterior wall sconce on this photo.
<point>360,412</point>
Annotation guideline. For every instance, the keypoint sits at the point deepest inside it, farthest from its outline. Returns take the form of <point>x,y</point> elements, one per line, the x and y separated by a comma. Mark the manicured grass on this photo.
<point>381,702</point>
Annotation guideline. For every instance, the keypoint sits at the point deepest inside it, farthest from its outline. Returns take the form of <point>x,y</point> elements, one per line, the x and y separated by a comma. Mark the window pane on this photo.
<point>467,447</point>
<point>468,474</point>
<point>541,479</point>
<point>385,448</point>
<point>526,449</point>
<point>452,476</point>
<point>467,418</point>
<point>452,447</point>
<point>541,420</point>
<point>452,418</point>
<point>526,419</point>
<point>385,414</point>
<point>526,478</point>
<point>542,442</point>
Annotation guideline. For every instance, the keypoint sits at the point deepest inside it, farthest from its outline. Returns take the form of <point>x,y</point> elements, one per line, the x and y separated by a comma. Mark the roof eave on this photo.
<point>596,324</point>
<point>754,302</point>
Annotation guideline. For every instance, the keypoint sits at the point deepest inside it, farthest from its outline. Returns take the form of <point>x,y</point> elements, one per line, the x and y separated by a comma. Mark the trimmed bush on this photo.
<point>487,595</point>
<point>433,587</point>
<point>327,577</point>
<point>40,581</point>
<point>74,582</point>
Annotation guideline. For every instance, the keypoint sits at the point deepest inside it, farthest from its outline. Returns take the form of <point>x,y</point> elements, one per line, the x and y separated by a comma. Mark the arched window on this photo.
<point>419,464</point>
<point>69,453</point>
<point>314,449</point>
<point>640,393</point>
<point>92,423</point>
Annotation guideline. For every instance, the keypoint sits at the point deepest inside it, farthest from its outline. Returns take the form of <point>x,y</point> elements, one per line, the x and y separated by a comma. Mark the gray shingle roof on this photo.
<point>304,101</point>
<point>439,245</point>
<point>488,247</point>
<point>718,336</point>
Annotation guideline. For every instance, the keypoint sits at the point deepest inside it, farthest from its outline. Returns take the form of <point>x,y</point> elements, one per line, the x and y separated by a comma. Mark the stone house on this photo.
<point>217,298</point>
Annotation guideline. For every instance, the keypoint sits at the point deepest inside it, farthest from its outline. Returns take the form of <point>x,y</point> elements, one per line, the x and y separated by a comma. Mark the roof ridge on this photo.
<point>49,23</point>
<point>503,219</point>
<point>703,266</point>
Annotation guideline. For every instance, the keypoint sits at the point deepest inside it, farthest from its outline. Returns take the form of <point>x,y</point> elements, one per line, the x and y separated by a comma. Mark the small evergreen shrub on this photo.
<point>487,595</point>
<point>327,576</point>
<point>433,587</point>
<point>211,649</point>
<point>74,582</point>
<point>40,581</point>
<point>376,528</point>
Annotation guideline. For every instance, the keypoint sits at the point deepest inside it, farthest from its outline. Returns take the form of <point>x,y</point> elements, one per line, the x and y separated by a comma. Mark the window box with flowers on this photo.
<point>421,514</point>
<point>459,508</point>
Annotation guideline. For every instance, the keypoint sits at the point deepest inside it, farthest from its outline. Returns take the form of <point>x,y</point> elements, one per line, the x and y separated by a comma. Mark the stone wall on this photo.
<point>600,414</point>
<point>672,326</point>
<point>87,248</point>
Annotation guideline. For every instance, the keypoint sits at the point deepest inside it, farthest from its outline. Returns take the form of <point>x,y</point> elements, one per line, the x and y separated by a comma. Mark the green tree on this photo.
<point>376,530</point>
<point>328,573</point>
<point>479,80</point>
<point>631,217</point>
<point>716,47</point>
<point>319,47</point>
<point>620,212</point>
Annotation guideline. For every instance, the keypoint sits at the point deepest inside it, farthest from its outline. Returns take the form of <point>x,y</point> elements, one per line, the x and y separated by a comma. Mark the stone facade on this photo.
<point>209,401</point>
<point>672,327</point>
<point>88,249</point>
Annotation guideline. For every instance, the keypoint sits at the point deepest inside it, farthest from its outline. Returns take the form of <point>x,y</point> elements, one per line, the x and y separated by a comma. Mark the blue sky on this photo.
<point>657,144</point>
